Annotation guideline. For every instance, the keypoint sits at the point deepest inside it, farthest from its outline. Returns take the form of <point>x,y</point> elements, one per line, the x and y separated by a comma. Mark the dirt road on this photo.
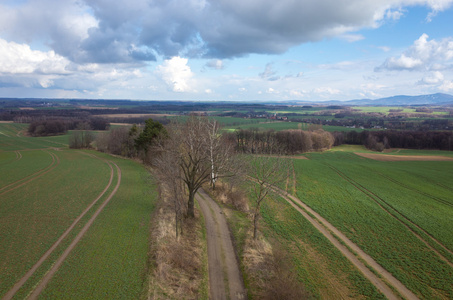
<point>225,279</point>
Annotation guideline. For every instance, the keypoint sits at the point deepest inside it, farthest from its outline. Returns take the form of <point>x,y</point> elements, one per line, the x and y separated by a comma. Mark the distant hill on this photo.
<point>401,100</point>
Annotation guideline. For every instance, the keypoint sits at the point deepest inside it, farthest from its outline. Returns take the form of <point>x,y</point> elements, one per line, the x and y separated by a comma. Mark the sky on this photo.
<point>238,50</point>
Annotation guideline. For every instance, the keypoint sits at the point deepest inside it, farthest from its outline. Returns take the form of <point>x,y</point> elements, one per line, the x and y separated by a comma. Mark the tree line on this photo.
<point>384,139</point>
<point>48,127</point>
<point>285,142</point>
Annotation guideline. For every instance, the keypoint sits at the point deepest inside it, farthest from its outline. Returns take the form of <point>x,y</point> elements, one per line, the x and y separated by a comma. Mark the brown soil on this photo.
<point>225,279</point>
<point>385,157</point>
<point>334,236</point>
<point>298,157</point>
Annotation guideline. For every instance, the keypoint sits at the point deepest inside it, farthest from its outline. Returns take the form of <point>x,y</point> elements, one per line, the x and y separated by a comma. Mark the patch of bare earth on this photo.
<point>385,157</point>
<point>176,270</point>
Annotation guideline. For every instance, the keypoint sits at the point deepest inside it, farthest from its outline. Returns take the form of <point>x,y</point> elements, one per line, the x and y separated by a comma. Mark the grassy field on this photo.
<point>399,213</point>
<point>43,190</point>
<point>13,138</point>
<point>386,208</point>
<point>278,126</point>
<point>323,270</point>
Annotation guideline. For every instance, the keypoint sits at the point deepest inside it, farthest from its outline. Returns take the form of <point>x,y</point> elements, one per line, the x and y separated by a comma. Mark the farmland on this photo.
<point>400,213</point>
<point>79,204</point>
<point>49,195</point>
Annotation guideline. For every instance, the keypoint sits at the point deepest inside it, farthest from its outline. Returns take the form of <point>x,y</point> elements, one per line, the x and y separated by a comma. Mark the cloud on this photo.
<point>269,73</point>
<point>384,48</point>
<point>21,59</point>
<point>434,78</point>
<point>95,31</point>
<point>447,86</point>
<point>176,74</point>
<point>351,38</point>
<point>271,91</point>
<point>423,55</point>
<point>216,64</point>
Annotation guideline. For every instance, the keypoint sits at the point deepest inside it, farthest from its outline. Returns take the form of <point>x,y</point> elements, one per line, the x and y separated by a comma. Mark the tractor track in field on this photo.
<point>351,251</point>
<point>440,200</point>
<point>55,266</point>
<point>18,157</point>
<point>374,197</point>
<point>18,183</point>
<point>225,279</point>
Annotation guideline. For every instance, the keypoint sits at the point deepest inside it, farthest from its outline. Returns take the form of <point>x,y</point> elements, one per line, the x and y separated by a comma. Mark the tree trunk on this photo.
<point>191,204</point>
<point>255,223</point>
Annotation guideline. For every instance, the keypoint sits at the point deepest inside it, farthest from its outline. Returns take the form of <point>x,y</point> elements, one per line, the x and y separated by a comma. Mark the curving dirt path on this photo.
<point>334,236</point>
<point>55,162</point>
<point>225,279</point>
<point>58,263</point>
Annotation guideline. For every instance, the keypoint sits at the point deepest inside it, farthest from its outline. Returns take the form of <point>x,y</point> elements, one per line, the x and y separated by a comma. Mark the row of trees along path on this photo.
<point>188,155</point>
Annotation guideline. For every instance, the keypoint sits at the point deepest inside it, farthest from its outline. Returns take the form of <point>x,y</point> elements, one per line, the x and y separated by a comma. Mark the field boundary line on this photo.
<point>370,194</point>
<point>27,275</point>
<point>35,175</point>
<point>323,226</point>
<point>48,276</point>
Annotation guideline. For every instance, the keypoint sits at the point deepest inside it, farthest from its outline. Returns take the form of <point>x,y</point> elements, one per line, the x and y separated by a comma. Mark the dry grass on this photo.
<point>176,264</point>
<point>268,268</point>
<point>270,273</point>
<point>229,195</point>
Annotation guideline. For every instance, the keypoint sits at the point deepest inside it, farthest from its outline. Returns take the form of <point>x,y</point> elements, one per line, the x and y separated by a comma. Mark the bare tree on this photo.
<point>200,152</point>
<point>170,177</point>
<point>82,137</point>
<point>265,172</point>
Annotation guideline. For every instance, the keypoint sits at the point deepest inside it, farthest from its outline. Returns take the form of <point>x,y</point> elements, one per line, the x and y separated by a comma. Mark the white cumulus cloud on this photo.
<point>423,55</point>
<point>176,74</point>
<point>21,59</point>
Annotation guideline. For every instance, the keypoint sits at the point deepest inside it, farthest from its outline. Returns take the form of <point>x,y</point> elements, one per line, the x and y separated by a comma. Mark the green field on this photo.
<point>385,208</point>
<point>43,190</point>
<point>279,125</point>
<point>400,213</point>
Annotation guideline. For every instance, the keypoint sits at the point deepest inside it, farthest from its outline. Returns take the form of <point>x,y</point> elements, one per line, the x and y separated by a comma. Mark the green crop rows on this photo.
<point>381,206</point>
<point>43,190</point>
<point>319,265</point>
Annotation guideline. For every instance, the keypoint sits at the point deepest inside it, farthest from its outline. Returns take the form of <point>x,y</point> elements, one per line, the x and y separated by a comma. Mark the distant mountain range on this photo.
<point>433,99</point>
